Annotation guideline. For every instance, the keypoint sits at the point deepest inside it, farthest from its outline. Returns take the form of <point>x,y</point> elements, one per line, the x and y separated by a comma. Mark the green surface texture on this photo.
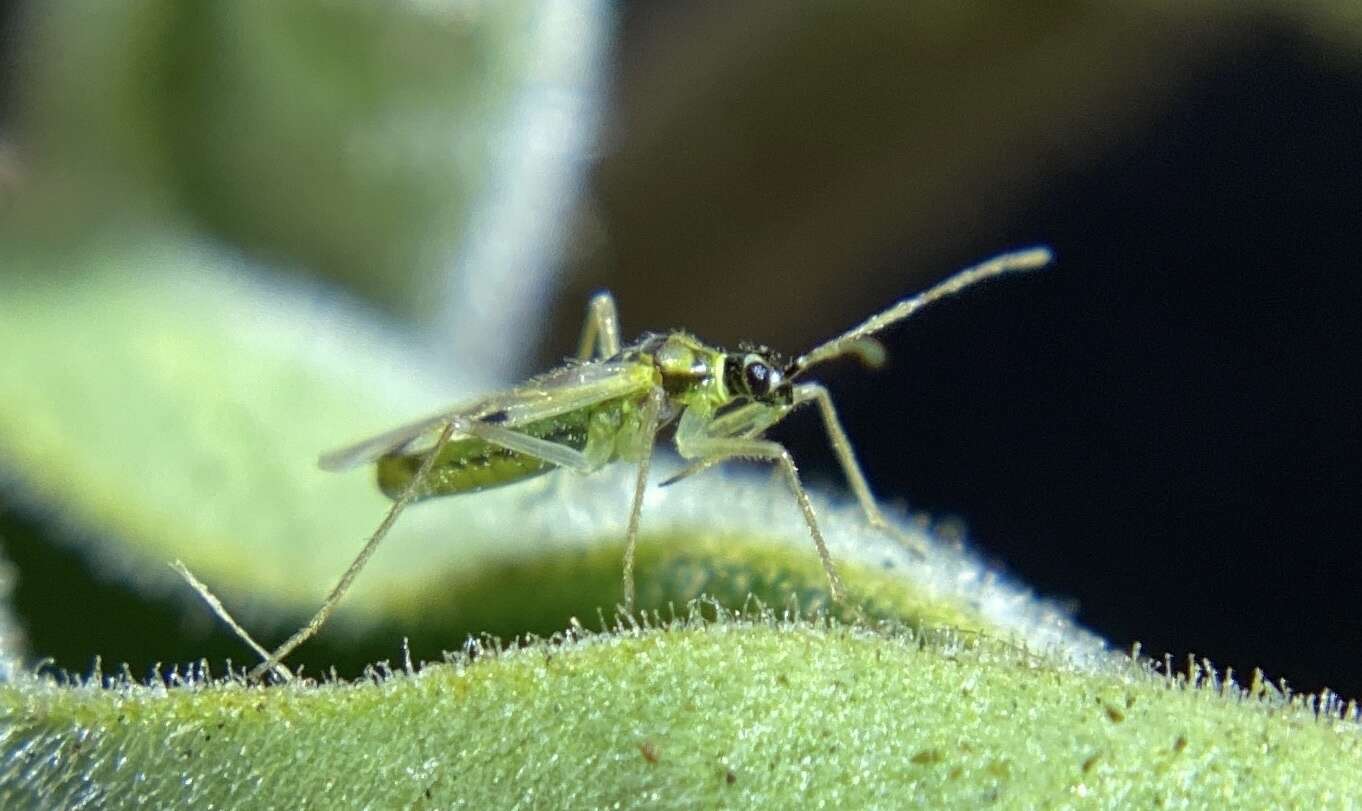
<point>737,713</point>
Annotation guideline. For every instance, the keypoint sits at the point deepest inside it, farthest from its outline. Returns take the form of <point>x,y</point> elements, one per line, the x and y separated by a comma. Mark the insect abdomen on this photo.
<point>471,465</point>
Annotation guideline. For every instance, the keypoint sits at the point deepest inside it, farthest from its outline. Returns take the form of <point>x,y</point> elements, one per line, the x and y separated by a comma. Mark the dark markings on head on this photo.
<point>753,375</point>
<point>733,377</point>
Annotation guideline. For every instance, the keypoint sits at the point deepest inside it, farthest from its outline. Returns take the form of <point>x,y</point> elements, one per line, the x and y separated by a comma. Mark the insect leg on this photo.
<point>693,443</point>
<point>652,411</point>
<point>746,422</point>
<point>551,452</point>
<point>226,616</point>
<point>837,437</point>
<point>601,332</point>
<point>332,599</point>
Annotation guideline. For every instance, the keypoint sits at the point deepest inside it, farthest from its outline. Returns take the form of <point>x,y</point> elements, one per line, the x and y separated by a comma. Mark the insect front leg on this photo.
<point>695,441</point>
<point>841,446</point>
<point>601,332</point>
<point>746,422</point>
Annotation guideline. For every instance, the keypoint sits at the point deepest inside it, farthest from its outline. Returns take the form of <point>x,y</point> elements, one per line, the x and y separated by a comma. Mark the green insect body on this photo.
<point>690,373</point>
<point>473,465</point>
<point>609,405</point>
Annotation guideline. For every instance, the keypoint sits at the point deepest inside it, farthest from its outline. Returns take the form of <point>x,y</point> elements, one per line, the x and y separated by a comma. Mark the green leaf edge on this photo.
<point>744,710</point>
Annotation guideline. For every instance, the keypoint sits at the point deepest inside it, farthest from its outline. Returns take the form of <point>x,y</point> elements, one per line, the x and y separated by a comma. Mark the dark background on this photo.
<point>1164,428</point>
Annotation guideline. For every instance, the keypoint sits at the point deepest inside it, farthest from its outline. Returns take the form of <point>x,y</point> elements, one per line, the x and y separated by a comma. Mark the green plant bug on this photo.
<point>607,405</point>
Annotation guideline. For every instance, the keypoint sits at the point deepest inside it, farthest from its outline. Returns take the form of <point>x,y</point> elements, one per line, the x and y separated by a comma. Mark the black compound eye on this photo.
<point>757,376</point>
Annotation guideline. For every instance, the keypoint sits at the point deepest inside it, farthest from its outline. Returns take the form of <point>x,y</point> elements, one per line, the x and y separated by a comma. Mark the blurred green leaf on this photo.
<point>352,139</point>
<point>165,397</point>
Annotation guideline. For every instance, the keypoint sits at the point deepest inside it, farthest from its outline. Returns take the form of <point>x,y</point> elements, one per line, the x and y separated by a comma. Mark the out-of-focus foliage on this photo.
<point>351,138</point>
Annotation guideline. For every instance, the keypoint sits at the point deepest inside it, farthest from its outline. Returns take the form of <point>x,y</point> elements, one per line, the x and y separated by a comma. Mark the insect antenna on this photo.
<point>858,341</point>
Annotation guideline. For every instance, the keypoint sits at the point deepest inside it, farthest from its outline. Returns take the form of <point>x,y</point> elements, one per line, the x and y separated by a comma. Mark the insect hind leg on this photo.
<point>226,616</point>
<point>601,332</point>
<point>343,585</point>
<point>552,452</point>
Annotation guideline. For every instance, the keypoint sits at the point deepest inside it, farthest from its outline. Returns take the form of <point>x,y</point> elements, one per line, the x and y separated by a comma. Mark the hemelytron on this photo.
<point>607,405</point>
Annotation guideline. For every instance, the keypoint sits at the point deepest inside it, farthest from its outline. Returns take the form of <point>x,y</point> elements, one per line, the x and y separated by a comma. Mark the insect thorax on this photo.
<point>691,371</point>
